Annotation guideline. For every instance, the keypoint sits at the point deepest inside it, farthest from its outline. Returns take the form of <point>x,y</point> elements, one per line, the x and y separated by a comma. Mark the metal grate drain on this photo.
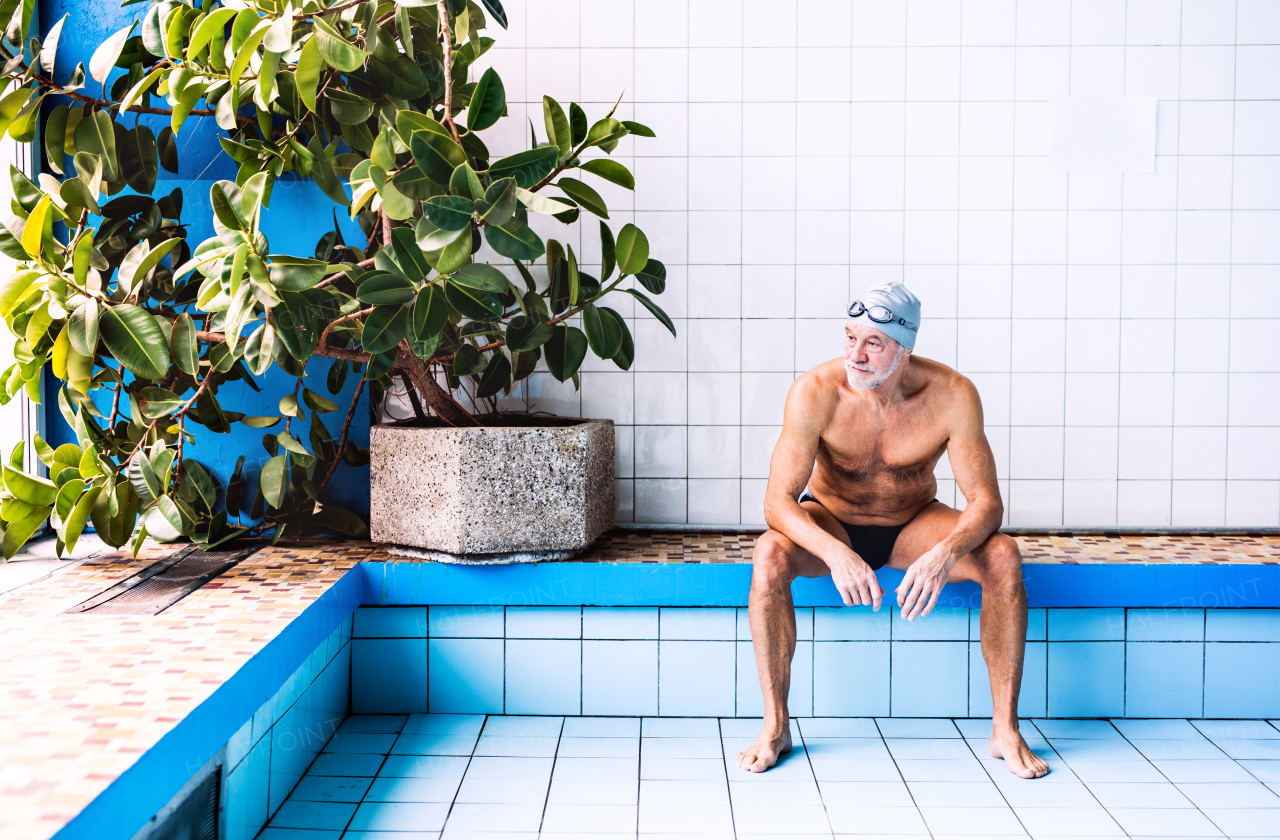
<point>163,583</point>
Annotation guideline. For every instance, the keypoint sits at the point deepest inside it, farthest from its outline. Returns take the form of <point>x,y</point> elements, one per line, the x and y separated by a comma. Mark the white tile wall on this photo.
<point>1124,331</point>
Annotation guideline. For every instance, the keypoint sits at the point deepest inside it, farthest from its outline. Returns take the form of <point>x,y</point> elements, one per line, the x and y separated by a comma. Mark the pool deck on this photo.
<point>83,696</point>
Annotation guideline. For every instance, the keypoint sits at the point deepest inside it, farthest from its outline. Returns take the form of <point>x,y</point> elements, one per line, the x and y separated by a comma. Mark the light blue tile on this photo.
<point>358,742</point>
<point>942,624</point>
<point>424,767</point>
<point>1037,624</point>
<point>468,622</point>
<point>384,835</point>
<point>388,676</point>
<point>345,764</point>
<point>1179,770</point>
<point>466,676</point>
<point>696,678</point>
<point>697,623</point>
<point>374,723</point>
<point>1032,696</point>
<point>239,744</point>
<point>434,745</point>
<point>544,622</point>
<point>1240,679</point>
<point>1155,730</point>
<point>1231,730</point>
<point>414,789</point>
<point>851,624</point>
<point>270,833</point>
<point>799,699</point>
<point>544,677</point>
<point>331,788</point>
<point>619,622</point>
<point>1165,625</point>
<point>390,622</point>
<point>917,728</point>
<point>400,816</point>
<point>1086,624</point>
<point>457,725</point>
<point>602,727</point>
<point>1242,625</point>
<point>330,816</point>
<point>1164,679</point>
<point>850,679</point>
<point>1245,822</point>
<point>1086,679</point>
<point>244,793</point>
<point>1100,730</point>
<point>804,624</point>
<point>620,677</point>
<point>930,679</point>
<point>288,759</point>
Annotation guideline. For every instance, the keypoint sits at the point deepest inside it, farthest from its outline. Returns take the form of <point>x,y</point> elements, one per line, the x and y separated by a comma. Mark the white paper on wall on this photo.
<point>1102,135</point>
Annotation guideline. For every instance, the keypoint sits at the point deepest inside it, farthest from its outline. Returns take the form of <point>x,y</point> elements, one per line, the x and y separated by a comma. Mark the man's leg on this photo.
<point>776,562</point>
<point>997,566</point>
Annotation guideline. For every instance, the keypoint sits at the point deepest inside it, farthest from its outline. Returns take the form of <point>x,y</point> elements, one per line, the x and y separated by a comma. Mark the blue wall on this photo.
<point>298,216</point>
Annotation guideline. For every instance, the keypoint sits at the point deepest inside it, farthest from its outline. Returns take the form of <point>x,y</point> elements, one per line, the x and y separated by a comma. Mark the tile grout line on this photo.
<point>465,770</point>
<point>728,789</point>
<point>814,774</point>
<point>546,800</point>
<point>894,759</point>
<point>1171,782</point>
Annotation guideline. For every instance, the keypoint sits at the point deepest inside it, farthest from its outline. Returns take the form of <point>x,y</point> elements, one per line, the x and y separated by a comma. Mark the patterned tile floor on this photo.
<point>450,777</point>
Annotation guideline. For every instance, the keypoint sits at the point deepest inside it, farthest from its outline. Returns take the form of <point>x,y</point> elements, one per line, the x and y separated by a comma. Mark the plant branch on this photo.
<point>332,10</point>
<point>446,35</point>
<point>342,442</point>
<point>341,275</point>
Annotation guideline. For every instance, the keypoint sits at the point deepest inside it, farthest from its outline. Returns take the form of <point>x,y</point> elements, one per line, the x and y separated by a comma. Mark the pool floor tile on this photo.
<point>554,778</point>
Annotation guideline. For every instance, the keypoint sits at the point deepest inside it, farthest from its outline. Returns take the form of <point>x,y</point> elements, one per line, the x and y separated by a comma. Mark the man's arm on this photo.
<point>974,468</point>
<point>804,418</point>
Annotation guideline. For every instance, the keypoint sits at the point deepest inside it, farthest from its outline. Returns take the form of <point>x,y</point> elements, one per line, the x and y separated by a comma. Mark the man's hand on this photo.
<point>856,582</point>
<point>923,582</point>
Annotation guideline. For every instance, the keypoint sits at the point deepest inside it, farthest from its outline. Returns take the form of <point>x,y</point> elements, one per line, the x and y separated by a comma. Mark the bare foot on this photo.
<point>1019,758</point>
<point>766,749</point>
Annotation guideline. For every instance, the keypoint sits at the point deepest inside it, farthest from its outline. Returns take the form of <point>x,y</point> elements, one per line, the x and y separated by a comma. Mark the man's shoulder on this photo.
<point>821,382</point>
<point>942,381</point>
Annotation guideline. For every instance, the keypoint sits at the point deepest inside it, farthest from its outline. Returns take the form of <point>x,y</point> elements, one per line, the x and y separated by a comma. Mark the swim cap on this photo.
<point>903,310</point>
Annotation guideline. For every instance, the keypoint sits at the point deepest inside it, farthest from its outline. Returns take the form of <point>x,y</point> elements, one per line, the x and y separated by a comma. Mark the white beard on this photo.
<point>864,380</point>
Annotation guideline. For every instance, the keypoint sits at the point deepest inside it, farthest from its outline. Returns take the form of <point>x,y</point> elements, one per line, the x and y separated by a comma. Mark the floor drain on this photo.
<point>163,583</point>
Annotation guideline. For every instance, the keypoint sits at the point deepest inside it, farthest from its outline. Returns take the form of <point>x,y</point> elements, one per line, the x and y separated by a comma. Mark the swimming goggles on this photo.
<point>880,314</point>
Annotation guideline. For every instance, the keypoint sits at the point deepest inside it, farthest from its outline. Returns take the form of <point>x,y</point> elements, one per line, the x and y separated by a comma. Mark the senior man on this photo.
<point>851,489</point>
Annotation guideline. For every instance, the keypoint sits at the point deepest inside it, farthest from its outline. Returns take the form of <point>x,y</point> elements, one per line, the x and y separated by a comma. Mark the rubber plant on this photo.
<point>142,328</point>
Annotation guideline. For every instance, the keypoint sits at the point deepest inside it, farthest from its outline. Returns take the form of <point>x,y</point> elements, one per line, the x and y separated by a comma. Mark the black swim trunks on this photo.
<point>873,543</point>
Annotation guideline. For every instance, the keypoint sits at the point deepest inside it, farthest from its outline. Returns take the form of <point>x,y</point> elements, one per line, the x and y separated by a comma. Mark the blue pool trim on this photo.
<point>727,584</point>
<point>160,772</point>
<point>142,790</point>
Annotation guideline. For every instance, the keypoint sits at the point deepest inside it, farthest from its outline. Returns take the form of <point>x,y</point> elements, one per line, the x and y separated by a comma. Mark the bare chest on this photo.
<point>901,447</point>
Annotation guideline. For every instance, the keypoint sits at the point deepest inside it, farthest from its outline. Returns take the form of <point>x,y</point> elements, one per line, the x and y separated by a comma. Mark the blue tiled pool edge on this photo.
<point>159,773</point>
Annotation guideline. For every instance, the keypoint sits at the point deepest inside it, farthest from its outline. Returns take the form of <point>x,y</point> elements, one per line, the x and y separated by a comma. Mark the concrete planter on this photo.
<point>546,491</point>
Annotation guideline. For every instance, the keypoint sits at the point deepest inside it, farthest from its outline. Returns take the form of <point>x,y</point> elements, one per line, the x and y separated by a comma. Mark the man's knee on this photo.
<point>772,560</point>
<point>1001,562</point>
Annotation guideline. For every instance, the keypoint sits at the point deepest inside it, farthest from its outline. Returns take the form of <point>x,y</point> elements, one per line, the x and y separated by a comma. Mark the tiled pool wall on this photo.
<point>681,661</point>
<point>269,754</point>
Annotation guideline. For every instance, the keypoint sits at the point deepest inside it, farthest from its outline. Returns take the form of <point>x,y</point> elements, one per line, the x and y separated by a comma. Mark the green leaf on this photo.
<point>142,477</point>
<point>499,202</point>
<point>348,108</point>
<point>141,259</point>
<point>488,102</point>
<point>293,274</point>
<point>528,168</point>
<point>565,352</point>
<point>164,521</point>
<point>464,182</point>
<point>429,315</point>
<point>584,195</point>
<point>496,376</point>
<point>379,365</point>
<point>514,240</point>
<point>338,519</point>
<point>525,334</point>
<point>280,36</point>
<point>295,325</point>
<point>611,171</point>
<point>384,328</point>
<point>17,533</point>
<point>632,249</point>
<point>139,159</point>
<point>602,332</point>
<point>605,132</point>
<point>449,212</point>
<point>291,443</point>
<point>274,481</point>
<point>638,129</point>
<point>653,308</point>
<point>212,23</point>
<point>157,402</point>
<point>55,133</point>
<point>335,50</point>
<point>574,280</point>
<point>259,350</point>
<point>182,344</point>
<point>200,479</point>
<point>381,287</point>
<point>467,361</point>
<point>558,130</point>
<point>82,327</point>
<point>653,277</point>
<point>168,150</point>
<point>578,120</point>
<point>104,57</point>
<point>32,489</point>
<point>34,233</point>
<point>437,155</point>
<point>455,254</point>
<point>608,257</point>
<point>495,10</point>
<point>482,276</point>
<point>73,525</point>
<point>473,303</point>
<point>134,338</point>
<point>317,403</point>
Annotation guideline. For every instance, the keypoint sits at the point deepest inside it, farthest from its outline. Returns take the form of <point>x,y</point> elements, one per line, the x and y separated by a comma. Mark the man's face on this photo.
<point>870,356</point>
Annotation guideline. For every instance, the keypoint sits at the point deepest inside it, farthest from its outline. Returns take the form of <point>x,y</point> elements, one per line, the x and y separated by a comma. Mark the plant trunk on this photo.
<point>437,399</point>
